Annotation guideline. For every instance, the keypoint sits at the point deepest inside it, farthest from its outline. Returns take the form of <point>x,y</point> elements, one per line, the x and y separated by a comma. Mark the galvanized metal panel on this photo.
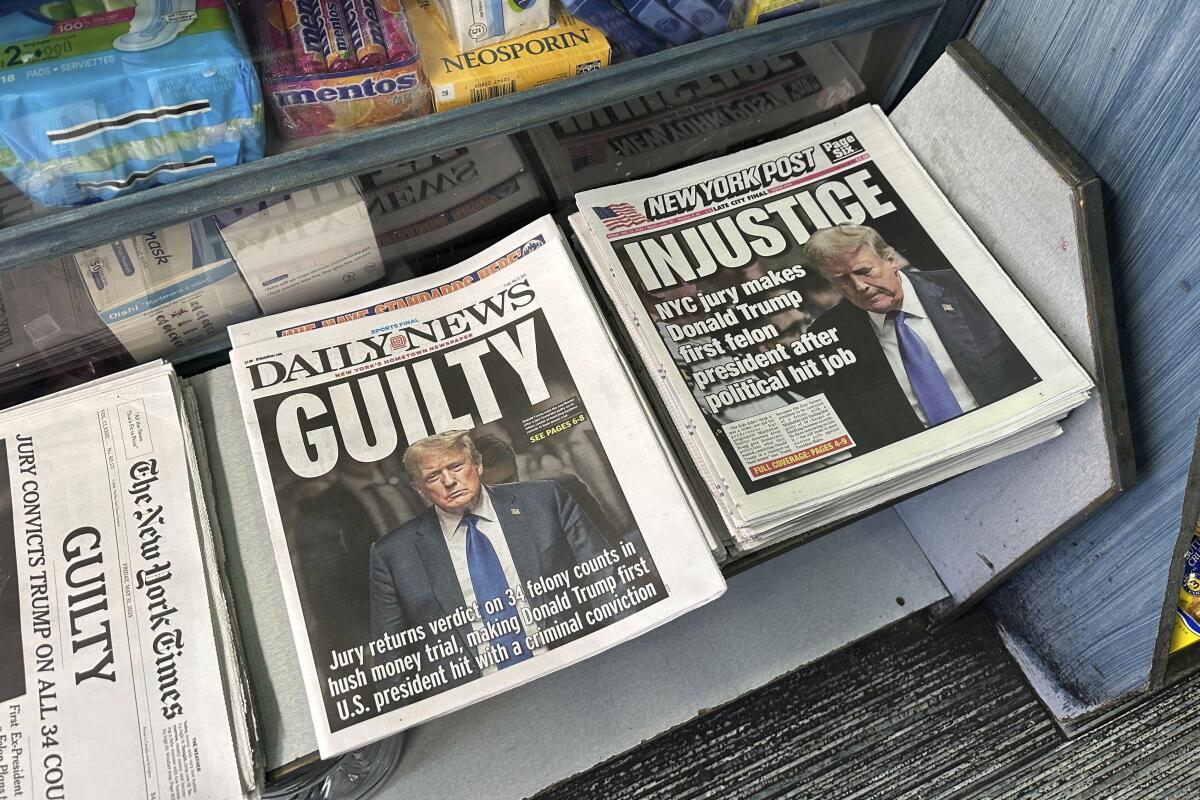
<point>1036,206</point>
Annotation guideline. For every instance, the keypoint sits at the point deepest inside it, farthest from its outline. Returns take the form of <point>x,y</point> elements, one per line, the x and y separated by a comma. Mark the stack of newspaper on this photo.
<point>119,675</point>
<point>463,486</point>
<point>820,327</point>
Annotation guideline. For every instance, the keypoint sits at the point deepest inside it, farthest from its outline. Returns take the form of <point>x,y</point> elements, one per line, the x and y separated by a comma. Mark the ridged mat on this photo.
<point>906,715</point>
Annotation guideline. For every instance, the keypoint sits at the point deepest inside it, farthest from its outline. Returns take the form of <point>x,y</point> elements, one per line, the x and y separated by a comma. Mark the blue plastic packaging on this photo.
<point>622,32</point>
<point>662,21</point>
<point>700,15</point>
<point>99,106</point>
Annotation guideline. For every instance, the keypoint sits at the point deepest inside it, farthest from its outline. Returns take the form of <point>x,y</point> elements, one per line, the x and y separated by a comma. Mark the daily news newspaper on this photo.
<point>762,289</point>
<point>462,489</point>
<point>110,680</point>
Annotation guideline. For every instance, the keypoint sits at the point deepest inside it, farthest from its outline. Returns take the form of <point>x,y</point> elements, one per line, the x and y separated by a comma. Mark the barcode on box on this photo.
<point>480,93</point>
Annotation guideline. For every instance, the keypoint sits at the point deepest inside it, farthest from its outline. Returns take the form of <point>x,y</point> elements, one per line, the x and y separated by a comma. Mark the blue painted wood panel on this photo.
<point>1121,81</point>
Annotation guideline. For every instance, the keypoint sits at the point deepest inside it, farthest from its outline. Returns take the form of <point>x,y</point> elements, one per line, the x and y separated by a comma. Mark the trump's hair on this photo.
<point>829,244</point>
<point>450,441</point>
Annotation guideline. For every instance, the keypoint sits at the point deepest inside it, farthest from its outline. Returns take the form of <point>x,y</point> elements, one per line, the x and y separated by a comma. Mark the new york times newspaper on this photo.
<point>110,681</point>
<point>462,489</point>
<point>817,317</point>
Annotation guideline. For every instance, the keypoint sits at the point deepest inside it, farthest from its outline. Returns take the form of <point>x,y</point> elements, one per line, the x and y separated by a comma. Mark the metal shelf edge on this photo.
<point>67,231</point>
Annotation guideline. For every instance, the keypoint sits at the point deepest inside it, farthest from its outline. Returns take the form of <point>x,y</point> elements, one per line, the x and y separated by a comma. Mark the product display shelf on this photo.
<point>911,561</point>
<point>68,230</point>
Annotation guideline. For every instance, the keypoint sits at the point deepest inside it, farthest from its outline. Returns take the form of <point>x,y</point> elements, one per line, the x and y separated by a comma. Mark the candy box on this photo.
<point>337,65</point>
<point>97,106</point>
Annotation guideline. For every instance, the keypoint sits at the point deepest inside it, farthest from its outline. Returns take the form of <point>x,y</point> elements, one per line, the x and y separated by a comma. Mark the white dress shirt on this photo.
<point>455,531</point>
<point>918,322</point>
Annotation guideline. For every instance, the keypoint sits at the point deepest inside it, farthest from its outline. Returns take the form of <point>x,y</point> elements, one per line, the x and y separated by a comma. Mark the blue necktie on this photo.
<point>928,382</point>
<point>488,581</point>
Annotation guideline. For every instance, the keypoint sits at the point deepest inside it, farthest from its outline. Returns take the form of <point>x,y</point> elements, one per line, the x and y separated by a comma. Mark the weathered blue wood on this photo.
<point>1119,81</point>
<point>73,229</point>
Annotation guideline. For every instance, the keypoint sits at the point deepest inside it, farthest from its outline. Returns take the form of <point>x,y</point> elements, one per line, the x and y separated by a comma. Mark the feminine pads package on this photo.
<point>96,106</point>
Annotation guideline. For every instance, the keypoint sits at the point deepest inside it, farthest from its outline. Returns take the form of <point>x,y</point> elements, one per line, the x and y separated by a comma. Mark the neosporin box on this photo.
<point>568,47</point>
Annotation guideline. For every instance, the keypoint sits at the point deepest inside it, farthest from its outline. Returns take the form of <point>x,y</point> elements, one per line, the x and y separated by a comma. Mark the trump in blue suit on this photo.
<point>431,566</point>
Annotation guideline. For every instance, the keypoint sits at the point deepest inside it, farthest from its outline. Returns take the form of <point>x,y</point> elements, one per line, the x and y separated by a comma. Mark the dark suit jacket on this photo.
<point>581,493</point>
<point>866,395</point>
<point>413,580</point>
<point>334,530</point>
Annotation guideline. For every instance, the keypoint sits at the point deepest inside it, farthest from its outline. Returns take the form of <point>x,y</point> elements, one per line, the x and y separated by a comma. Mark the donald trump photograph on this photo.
<point>926,349</point>
<point>476,546</point>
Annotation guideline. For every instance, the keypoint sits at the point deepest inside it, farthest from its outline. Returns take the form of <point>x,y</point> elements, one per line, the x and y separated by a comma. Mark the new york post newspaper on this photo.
<point>820,321</point>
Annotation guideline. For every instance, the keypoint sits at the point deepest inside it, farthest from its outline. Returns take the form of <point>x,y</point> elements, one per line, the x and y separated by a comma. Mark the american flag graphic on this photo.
<point>620,216</point>
<point>590,153</point>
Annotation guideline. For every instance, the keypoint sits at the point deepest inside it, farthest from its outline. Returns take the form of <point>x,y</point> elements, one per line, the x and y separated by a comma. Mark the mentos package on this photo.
<point>96,106</point>
<point>336,65</point>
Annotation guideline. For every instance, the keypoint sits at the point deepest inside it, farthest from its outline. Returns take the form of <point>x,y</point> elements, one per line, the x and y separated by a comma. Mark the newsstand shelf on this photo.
<point>919,557</point>
<point>69,230</point>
